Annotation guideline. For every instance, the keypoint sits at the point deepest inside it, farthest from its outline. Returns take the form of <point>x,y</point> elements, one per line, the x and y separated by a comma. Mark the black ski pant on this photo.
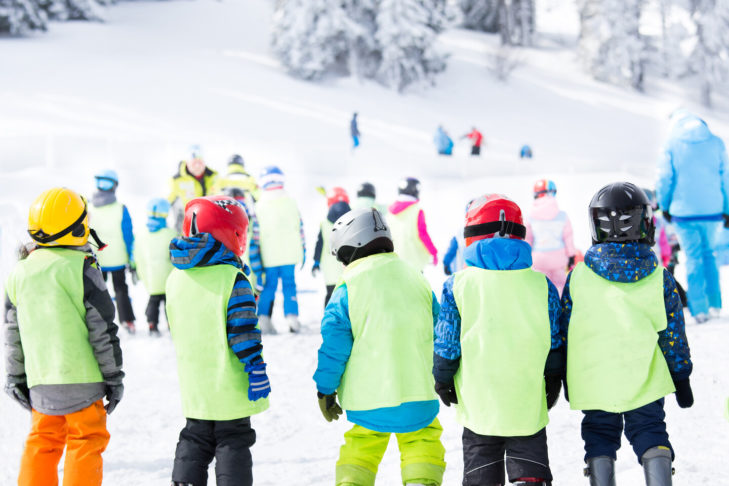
<point>330,291</point>
<point>475,150</point>
<point>484,457</point>
<point>152,311</point>
<point>228,441</point>
<point>121,295</point>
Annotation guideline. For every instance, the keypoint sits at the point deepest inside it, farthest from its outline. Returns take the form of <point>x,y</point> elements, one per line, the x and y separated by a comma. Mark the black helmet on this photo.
<point>236,159</point>
<point>621,212</point>
<point>410,186</point>
<point>366,189</point>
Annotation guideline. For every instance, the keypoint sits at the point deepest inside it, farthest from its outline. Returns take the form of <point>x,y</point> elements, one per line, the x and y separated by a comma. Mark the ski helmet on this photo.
<point>544,187</point>
<point>493,216</point>
<point>58,217</point>
<point>107,180</point>
<point>236,159</point>
<point>621,212</point>
<point>409,186</point>
<point>158,208</point>
<point>360,233</point>
<point>366,189</point>
<point>335,195</point>
<point>651,195</point>
<point>223,217</point>
<point>271,178</point>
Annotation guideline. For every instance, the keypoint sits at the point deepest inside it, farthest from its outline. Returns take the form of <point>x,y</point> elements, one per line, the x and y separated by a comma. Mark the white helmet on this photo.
<point>360,233</point>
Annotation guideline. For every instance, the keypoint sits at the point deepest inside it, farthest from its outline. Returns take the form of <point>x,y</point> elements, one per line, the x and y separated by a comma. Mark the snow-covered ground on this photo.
<point>133,93</point>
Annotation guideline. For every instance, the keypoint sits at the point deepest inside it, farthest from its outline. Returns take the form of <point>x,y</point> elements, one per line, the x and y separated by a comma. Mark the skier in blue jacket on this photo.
<point>693,191</point>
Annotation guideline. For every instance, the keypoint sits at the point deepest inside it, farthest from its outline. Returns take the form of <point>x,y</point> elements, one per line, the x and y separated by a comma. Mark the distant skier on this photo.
<point>476,139</point>
<point>443,142</point>
<point>409,231</point>
<point>525,152</point>
<point>112,222</point>
<point>354,131</point>
<point>367,198</point>
<point>151,253</point>
<point>212,315</point>
<point>376,353</point>
<point>499,354</point>
<point>626,340</point>
<point>238,177</point>
<point>324,261</point>
<point>194,179</point>
<point>549,232</point>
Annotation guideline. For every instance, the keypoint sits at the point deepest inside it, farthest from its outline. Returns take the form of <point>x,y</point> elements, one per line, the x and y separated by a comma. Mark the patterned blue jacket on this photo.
<point>490,254</point>
<point>622,262</point>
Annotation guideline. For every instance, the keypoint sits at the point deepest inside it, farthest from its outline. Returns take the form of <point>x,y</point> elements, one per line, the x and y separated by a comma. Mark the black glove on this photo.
<point>19,392</point>
<point>114,395</point>
<point>726,220</point>
<point>446,392</point>
<point>667,216</point>
<point>684,395</point>
<point>553,384</point>
<point>570,262</point>
<point>329,407</point>
<point>447,269</point>
<point>132,268</point>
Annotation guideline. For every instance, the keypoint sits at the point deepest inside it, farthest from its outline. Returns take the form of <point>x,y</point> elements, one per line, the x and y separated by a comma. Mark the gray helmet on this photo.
<point>359,233</point>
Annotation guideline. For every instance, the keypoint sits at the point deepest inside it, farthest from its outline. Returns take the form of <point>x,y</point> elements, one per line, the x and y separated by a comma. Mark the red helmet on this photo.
<point>543,187</point>
<point>337,194</point>
<point>493,216</point>
<point>221,216</point>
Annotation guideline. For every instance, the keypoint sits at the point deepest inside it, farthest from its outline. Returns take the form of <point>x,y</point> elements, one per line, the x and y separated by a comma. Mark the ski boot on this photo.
<point>129,326</point>
<point>294,324</point>
<point>264,322</point>
<point>601,471</point>
<point>657,466</point>
<point>154,330</point>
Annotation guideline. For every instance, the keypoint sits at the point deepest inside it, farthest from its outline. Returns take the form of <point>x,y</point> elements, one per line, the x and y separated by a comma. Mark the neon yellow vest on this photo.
<point>48,291</point>
<point>152,256</point>
<point>213,383</point>
<point>280,230</point>
<point>405,236</point>
<point>505,339</point>
<point>107,221</point>
<point>614,362</point>
<point>390,308</point>
<point>330,266</point>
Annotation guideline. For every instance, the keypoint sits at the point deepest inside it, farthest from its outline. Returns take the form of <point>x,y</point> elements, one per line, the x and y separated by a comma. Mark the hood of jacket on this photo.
<point>499,254</point>
<point>103,198</point>
<point>337,210</point>
<point>202,250</point>
<point>690,128</point>
<point>621,262</point>
<point>545,208</point>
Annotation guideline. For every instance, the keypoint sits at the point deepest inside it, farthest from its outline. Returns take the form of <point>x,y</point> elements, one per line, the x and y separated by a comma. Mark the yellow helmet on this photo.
<point>58,217</point>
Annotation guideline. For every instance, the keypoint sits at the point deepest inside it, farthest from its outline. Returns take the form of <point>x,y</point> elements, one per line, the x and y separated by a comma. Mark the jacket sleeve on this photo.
<point>303,238</point>
<point>724,175</point>
<point>556,359</point>
<point>318,247</point>
<point>100,323</point>
<point>337,342</point>
<point>569,243</point>
<point>244,336</point>
<point>128,233</point>
<point>665,182</point>
<point>447,334</point>
<point>425,237</point>
<point>14,357</point>
<point>450,254</point>
<point>672,340</point>
<point>565,312</point>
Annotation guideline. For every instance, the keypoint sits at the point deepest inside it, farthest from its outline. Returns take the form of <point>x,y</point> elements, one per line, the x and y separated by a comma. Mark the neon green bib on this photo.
<point>390,307</point>
<point>48,291</point>
<point>505,339</point>
<point>614,362</point>
<point>152,255</point>
<point>405,236</point>
<point>330,266</point>
<point>107,221</point>
<point>213,383</point>
<point>280,230</point>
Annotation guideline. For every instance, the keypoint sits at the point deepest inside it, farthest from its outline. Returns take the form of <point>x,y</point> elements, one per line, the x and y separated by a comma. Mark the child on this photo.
<point>626,344</point>
<point>112,221</point>
<point>151,253</point>
<point>62,350</point>
<point>549,232</point>
<point>376,352</point>
<point>498,350</point>
<point>212,315</point>
<point>324,261</point>
<point>409,231</point>
<point>238,178</point>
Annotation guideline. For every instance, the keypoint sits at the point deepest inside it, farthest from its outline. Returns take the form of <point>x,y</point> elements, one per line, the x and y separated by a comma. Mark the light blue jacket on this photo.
<point>693,173</point>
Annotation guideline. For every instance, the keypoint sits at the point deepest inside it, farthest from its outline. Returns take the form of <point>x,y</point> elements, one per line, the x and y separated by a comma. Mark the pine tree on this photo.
<point>365,54</point>
<point>18,17</point>
<point>73,9</point>
<point>480,15</point>
<point>711,55</point>
<point>673,60</point>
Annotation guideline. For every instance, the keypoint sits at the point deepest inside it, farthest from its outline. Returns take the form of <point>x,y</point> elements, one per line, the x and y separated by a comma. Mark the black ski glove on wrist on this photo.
<point>570,262</point>
<point>667,216</point>
<point>684,395</point>
<point>446,392</point>
<point>553,384</point>
<point>329,407</point>
<point>447,269</point>
<point>114,394</point>
<point>726,220</point>
<point>20,393</point>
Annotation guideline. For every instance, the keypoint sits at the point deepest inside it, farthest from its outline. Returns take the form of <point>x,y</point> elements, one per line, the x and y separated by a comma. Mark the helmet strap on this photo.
<point>493,227</point>
<point>100,245</point>
<point>44,238</point>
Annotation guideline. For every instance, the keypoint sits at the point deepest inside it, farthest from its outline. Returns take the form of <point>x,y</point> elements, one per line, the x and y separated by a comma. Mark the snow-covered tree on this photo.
<point>710,57</point>
<point>610,42</point>
<point>365,54</point>
<point>406,31</point>
<point>73,9</point>
<point>674,33</point>
<point>480,15</point>
<point>20,16</point>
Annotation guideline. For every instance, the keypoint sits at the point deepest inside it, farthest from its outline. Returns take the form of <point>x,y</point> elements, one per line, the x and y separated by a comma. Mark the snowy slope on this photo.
<point>133,93</point>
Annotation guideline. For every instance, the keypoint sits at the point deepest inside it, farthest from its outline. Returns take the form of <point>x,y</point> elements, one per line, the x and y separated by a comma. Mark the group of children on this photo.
<point>498,346</point>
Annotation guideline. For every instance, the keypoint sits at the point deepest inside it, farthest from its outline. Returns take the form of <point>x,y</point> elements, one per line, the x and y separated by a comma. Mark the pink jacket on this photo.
<point>549,231</point>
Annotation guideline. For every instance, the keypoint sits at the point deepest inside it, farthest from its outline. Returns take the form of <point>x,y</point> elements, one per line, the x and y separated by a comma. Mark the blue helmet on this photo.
<point>106,180</point>
<point>271,176</point>
<point>158,208</point>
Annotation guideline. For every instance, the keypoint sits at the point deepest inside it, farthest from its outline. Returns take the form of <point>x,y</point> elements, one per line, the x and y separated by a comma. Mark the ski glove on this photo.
<point>570,262</point>
<point>684,395</point>
<point>315,269</point>
<point>667,216</point>
<point>447,270</point>
<point>329,407</point>
<point>19,392</point>
<point>446,392</point>
<point>726,220</point>
<point>132,268</point>
<point>553,384</point>
<point>114,393</point>
<point>258,384</point>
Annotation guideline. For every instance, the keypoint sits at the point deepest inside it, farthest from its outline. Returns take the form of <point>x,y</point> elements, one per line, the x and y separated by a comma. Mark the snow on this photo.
<point>133,93</point>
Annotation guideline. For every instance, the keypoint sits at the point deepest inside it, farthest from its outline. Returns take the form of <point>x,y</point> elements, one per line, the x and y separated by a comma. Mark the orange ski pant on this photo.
<point>84,436</point>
